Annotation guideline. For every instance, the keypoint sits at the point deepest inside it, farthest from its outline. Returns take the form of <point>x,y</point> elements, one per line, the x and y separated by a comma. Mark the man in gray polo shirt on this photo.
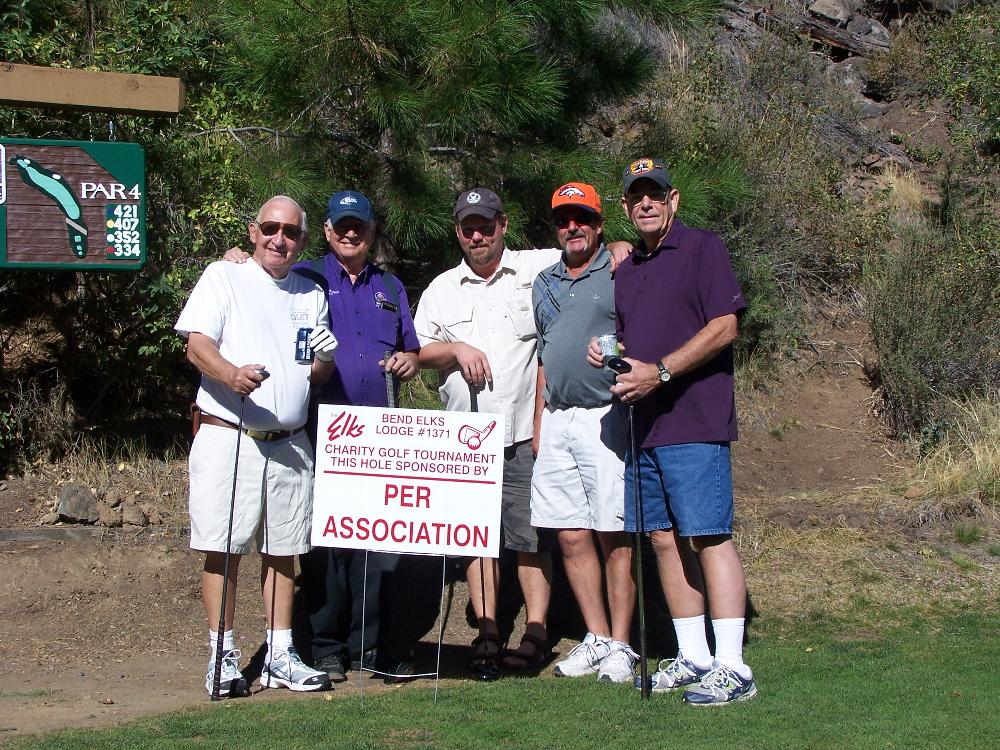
<point>580,437</point>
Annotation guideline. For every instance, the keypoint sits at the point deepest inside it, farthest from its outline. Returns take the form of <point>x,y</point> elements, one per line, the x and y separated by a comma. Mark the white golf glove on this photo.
<point>323,343</point>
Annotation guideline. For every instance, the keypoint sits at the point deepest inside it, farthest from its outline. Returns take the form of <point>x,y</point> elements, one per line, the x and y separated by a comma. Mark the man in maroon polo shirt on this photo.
<point>677,304</point>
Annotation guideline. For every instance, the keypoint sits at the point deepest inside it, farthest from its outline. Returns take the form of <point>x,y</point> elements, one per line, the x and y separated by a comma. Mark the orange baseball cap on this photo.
<point>577,194</point>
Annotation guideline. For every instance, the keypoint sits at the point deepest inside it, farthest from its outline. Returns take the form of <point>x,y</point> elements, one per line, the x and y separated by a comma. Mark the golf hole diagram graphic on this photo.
<point>71,204</point>
<point>408,480</point>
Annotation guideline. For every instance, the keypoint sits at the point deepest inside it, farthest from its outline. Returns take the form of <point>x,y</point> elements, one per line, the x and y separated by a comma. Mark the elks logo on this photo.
<point>640,165</point>
<point>348,200</point>
<point>569,191</point>
<point>473,198</point>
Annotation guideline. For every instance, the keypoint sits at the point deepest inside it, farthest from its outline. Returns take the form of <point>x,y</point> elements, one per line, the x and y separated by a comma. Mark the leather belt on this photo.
<point>266,436</point>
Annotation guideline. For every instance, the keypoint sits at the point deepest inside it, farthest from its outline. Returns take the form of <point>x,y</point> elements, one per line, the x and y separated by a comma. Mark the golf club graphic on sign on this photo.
<point>470,436</point>
<point>51,184</point>
<point>72,205</point>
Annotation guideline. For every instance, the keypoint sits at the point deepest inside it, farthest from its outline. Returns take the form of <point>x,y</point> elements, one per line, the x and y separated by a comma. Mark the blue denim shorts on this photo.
<point>688,486</point>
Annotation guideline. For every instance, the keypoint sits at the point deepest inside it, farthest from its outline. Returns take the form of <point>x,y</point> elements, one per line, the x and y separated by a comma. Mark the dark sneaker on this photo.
<point>285,669</point>
<point>721,686</point>
<point>231,683</point>
<point>367,661</point>
<point>673,674</point>
<point>333,665</point>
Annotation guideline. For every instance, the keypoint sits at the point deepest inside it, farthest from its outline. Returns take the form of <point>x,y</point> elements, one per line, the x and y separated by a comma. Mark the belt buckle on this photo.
<point>258,435</point>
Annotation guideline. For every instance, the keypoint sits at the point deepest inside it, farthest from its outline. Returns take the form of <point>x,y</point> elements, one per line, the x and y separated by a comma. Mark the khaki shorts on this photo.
<point>579,476</point>
<point>276,512</point>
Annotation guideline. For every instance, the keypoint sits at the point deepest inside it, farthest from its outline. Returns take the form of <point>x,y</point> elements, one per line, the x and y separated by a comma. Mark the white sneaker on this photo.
<point>619,665</point>
<point>231,682</point>
<point>673,674</point>
<point>584,658</point>
<point>285,669</point>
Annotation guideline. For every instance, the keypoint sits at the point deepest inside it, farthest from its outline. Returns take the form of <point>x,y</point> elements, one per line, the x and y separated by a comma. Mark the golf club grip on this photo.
<point>390,383</point>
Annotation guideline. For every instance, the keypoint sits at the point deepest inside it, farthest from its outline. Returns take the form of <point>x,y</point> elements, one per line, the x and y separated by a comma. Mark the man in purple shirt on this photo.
<point>677,304</point>
<point>369,315</point>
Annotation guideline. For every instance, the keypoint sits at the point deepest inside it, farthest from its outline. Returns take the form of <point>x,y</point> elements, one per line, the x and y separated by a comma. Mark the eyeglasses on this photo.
<point>270,228</point>
<point>580,218</point>
<point>486,230</point>
<point>656,196</point>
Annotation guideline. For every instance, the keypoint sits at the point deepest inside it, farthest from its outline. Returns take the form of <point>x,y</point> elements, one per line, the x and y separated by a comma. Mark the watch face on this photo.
<point>664,373</point>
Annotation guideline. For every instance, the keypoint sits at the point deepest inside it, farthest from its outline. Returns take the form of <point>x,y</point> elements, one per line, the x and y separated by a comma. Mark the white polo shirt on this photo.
<point>495,316</point>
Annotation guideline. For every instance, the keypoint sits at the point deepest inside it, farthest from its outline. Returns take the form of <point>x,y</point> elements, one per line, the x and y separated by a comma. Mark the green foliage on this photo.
<point>934,302</point>
<point>968,533</point>
<point>966,66</point>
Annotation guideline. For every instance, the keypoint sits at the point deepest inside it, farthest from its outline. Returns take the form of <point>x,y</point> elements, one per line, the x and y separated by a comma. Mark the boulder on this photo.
<point>77,504</point>
<point>132,515</point>
<point>48,519</point>
<point>109,517</point>
<point>835,11</point>
<point>868,27</point>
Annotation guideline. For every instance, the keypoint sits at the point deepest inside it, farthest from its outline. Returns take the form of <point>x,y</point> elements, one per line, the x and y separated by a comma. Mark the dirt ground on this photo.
<point>105,626</point>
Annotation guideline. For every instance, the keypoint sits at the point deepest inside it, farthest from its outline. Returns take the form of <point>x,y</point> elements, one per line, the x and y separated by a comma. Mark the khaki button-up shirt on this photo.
<point>495,316</point>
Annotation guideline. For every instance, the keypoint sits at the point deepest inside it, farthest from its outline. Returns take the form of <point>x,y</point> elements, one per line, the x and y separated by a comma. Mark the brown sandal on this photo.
<point>517,660</point>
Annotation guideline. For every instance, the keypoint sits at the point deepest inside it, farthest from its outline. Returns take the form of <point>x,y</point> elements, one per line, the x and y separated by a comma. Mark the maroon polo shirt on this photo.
<point>662,299</point>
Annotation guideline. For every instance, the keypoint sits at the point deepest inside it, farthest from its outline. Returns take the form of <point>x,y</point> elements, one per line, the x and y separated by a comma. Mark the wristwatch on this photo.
<point>664,372</point>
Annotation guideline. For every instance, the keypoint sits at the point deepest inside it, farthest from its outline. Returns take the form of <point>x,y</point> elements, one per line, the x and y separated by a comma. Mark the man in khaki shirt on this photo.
<point>476,327</point>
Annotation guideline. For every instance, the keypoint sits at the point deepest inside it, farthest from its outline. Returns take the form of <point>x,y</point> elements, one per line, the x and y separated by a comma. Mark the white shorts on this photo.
<point>579,477</point>
<point>288,492</point>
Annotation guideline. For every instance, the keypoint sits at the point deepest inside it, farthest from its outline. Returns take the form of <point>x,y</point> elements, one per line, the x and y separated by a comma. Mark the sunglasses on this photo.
<point>270,228</point>
<point>657,196</point>
<point>486,230</point>
<point>582,218</point>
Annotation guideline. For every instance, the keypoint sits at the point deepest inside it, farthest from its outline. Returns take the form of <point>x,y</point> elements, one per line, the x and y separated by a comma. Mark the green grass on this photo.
<point>994,549</point>
<point>968,533</point>
<point>929,685</point>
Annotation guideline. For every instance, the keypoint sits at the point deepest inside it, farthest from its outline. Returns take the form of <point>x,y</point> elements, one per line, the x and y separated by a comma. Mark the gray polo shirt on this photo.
<point>568,312</point>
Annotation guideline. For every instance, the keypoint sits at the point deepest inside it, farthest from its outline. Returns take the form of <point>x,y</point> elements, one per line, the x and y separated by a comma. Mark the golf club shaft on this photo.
<point>640,530</point>
<point>220,636</point>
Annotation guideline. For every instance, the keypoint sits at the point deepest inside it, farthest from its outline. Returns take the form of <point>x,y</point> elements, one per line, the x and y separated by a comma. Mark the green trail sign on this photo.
<point>72,205</point>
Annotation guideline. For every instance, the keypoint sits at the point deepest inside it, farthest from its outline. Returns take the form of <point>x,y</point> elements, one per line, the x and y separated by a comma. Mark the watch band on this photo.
<point>664,372</point>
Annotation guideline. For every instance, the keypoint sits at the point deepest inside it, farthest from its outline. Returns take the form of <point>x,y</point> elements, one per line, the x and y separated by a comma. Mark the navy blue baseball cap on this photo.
<point>349,203</point>
<point>647,169</point>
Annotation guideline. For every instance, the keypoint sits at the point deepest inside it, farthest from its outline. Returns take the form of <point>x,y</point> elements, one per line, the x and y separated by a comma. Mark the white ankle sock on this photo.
<point>729,644</point>
<point>692,641</point>
<point>228,640</point>
<point>279,640</point>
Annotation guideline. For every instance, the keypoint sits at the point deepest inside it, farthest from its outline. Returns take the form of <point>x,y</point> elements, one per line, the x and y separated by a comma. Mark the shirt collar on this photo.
<point>672,240</point>
<point>601,259</point>
<point>341,272</point>
<point>506,265</point>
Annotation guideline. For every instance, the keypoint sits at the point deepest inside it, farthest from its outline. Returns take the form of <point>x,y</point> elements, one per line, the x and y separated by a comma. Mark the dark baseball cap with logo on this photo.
<point>349,204</point>
<point>647,169</point>
<point>478,202</point>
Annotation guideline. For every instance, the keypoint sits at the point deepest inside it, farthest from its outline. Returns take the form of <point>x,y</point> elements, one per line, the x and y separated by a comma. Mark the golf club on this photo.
<point>620,366</point>
<point>238,688</point>
<point>489,670</point>
<point>405,670</point>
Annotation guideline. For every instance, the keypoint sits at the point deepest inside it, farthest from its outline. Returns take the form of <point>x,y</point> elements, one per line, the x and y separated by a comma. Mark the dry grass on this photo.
<point>863,577</point>
<point>906,195</point>
<point>967,462</point>
<point>127,472</point>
